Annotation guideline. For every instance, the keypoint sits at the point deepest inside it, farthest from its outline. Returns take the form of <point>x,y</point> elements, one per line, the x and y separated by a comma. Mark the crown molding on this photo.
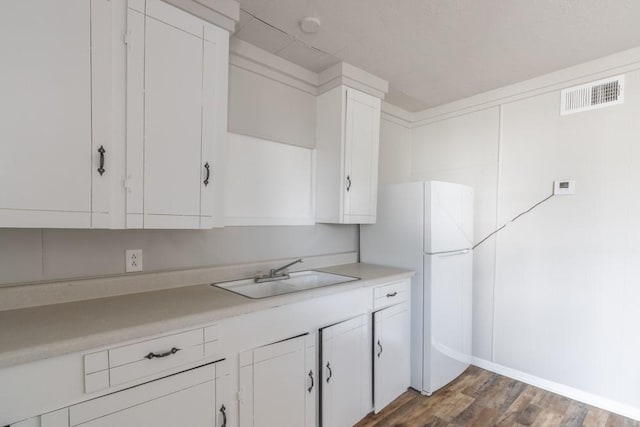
<point>251,58</point>
<point>223,13</point>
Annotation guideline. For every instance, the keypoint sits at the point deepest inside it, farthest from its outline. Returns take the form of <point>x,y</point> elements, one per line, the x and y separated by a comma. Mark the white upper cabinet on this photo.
<point>348,136</point>
<point>55,108</point>
<point>177,71</point>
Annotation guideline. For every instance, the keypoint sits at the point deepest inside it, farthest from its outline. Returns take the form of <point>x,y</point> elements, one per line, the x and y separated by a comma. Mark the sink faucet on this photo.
<point>279,273</point>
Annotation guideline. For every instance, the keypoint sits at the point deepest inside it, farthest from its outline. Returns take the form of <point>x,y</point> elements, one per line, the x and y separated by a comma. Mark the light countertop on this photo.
<point>37,333</point>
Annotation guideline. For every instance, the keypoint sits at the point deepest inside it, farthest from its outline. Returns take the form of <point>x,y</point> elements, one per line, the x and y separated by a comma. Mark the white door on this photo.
<point>280,384</point>
<point>173,125</point>
<point>344,383</point>
<point>449,300</point>
<point>47,160</point>
<point>392,354</point>
<point>188,398</point>
<point>361,156</point>
<point>176,118</point>
<point>214,125</point>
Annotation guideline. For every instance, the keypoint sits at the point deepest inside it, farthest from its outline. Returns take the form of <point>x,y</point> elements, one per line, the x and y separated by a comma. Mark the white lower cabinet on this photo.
<point>332,378</point>
<point>197,398</point>
<point>278,384</point>
<point>188,398</point>
<point>392,356</point>
<point>345,378</point>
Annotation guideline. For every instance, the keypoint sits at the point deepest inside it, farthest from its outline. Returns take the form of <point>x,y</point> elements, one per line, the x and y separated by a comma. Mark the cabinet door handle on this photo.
<point>101,169</point>
<point>348,183</point>
<point>380,352</point>
<point>223,411</point>
<point>207,168</point>
<point>312,383</point>
<point>330,372</point>
<point>153,355</point>
<point>392,294</point>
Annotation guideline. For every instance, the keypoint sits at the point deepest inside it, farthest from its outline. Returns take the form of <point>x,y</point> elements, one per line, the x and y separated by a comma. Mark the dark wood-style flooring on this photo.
<point>482,398</point>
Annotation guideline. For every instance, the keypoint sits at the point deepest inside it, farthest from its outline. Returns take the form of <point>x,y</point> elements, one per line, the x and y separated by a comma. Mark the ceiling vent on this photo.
<point>590,96</point>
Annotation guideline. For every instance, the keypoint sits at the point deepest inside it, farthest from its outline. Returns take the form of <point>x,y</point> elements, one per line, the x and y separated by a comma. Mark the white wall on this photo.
<point>395,151</point>
<point>264,108</point>
<point>555,293</point>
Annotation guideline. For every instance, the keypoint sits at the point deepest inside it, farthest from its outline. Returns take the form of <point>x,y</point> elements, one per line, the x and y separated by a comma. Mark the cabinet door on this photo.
<point>176,97</point>
<point>344,383</point>
<point>361,156</point>
<point>276,382</point>
<point>214,126</point>
<point>48,155</point>
<point>184,399</point>
<point>173,125</point>
<point>392,354</point>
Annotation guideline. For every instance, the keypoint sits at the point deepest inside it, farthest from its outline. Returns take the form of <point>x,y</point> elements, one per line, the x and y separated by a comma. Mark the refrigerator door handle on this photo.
<point>454,253</point>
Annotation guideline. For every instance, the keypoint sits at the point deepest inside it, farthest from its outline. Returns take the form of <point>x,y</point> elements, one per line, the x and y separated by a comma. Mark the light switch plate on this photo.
<point>133,260</point>
<point>564,188</point>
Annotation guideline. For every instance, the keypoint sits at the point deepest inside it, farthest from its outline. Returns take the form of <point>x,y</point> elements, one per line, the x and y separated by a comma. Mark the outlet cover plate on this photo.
<point>133,260</point>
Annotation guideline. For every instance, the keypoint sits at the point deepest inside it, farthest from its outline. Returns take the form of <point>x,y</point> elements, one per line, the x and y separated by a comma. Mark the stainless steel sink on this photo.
<point>300,281</point>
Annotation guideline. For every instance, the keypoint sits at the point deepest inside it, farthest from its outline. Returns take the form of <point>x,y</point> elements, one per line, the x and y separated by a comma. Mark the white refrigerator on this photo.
<point>428,227</point>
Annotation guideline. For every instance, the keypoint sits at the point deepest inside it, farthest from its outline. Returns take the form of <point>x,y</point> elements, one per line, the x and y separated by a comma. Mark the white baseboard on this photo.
<point>561,389</point>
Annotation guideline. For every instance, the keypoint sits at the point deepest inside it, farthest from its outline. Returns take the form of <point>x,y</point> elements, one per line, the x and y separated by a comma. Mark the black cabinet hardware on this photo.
<point>153,355</point>
<point>207,168</point>
<point>391,295</point>
<point>101,169</point>
<point>311,386</point>
<point>330,372</point>
<point>223,411</point>
<point>380,352</point>
<point>348,183</point>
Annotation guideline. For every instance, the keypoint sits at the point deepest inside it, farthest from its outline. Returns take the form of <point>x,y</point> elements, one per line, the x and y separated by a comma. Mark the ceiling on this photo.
<point>436,51</point>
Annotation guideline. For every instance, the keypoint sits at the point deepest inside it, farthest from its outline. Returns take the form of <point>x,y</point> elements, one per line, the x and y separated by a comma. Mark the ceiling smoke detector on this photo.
<point>310,25</point>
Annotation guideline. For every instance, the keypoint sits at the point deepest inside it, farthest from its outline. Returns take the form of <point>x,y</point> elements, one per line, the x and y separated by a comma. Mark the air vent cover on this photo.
<point>590,96</point>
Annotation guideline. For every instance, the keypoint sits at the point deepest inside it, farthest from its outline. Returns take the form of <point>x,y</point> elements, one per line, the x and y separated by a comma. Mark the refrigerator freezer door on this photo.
<point>448,278</point>
<point>448,217</point>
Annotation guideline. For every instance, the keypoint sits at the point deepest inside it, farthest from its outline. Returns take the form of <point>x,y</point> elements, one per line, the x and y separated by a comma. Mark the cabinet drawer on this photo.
<point>145,367</point>
<point>146,358</point>
<point>393,293</point>
<point>140,350</point>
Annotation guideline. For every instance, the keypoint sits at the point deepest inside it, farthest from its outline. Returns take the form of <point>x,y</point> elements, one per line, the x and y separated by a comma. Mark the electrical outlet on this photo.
<point>133,260</point>
<point>564,188</point>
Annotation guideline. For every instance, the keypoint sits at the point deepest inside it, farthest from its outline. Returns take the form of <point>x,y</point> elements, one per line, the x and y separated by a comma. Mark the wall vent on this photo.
<point>590,96</point>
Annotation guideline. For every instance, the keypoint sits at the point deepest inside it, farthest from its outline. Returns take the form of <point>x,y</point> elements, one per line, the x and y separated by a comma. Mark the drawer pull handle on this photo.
<point>330,372</point>
<point>312,383</point>
<point>391,295</point>
<point>223,411</point>
<point>380,353</point>
<point>153,355</point>
<point>348,183</point>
